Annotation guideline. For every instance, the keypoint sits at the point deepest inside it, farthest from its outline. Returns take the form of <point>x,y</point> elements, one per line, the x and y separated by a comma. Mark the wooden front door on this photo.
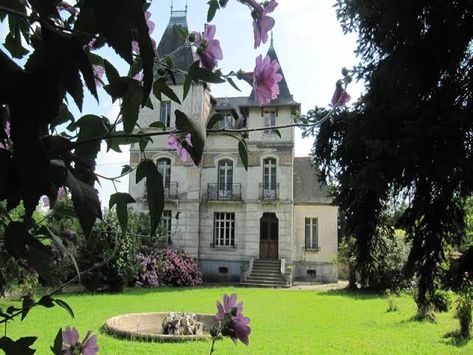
<point>269,236</point>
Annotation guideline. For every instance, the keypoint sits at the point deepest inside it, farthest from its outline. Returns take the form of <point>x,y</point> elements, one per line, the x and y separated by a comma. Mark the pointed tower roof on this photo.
<point>171,40</point>
<point>285,96</point>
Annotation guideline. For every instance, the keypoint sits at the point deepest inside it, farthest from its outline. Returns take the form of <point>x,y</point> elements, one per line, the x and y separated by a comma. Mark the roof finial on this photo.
<point>186,6</point>
<point>272,39</point>
<point>172,5</point>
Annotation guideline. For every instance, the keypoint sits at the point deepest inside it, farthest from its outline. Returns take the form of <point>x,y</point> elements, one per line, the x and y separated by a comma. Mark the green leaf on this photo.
<point>64,305</point>
<point>216,118</point>
<point>154,189</point>
<point>126,169</point>
<point>157,124</point>
<point>14,46</point>
<point>183,32</point>
<point>198,135</point>
<point>19,347</point>
<point>131,106</point>
<point>91,126</point>
<point>213,7</point>
<point>46,301</point>
<point>86,202</point>
<point>160,86</point>
<point>277,132</point>
<point>243,151</point>
<point>121,200</point>
<point>45,8</point>
<point>26,305</point>
<point>232,83</point>
<point>57,346</point>
<point>63,116</point>
<point>204,74</point>
<point>187,86</point>
<point>111,73</point>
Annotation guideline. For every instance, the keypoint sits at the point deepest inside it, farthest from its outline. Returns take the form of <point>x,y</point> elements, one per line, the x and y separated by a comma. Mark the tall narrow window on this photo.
<point>224,229</point>
<point>225,179</point>
<point>311,235</point>
<point>269,178</point>
<point>166,223</point>
<point>164,168</point>
<point>269,119</point>
<point>227,121</point>
<point>165,116</point>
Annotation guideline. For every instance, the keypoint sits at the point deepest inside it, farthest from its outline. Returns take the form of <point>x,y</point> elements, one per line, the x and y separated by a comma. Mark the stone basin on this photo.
<point>148,327</point>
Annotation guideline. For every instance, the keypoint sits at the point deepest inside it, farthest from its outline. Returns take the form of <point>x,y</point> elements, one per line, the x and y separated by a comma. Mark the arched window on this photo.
<point>225,179</point>
<point>269,179</point>
<point>164,168</point>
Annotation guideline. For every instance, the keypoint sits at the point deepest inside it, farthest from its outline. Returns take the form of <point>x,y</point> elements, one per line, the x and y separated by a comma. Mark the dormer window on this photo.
<point>270,115</point>
<point>226,122</point>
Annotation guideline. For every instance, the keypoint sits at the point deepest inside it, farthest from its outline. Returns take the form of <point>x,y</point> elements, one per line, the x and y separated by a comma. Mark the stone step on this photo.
<point>269,274</point>
<point>267,262</point>
<point>266,285</point>
<point>266,268</point>
<point>263,280</point>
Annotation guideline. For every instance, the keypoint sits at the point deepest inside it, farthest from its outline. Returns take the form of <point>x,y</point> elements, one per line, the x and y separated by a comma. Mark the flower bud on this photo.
<point>344,71</point>
<point>191,37</point>
<point>223,3</point>
<point>214,330</point>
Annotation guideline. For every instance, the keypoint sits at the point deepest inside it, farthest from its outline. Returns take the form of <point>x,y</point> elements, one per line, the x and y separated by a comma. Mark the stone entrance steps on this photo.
<point>265,273</point>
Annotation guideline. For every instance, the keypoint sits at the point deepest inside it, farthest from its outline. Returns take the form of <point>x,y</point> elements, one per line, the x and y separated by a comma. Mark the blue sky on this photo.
<point>309,42</point>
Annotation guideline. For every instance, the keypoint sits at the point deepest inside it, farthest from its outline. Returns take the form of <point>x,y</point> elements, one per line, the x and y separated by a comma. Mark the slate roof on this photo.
<point>171,40</point>
<point>307,186</point>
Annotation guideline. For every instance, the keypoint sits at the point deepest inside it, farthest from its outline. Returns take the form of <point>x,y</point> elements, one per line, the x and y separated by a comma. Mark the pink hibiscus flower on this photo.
<point>134,44</point>
<point>340,96</point>
<point>232,322</point>
<point>208,48</point>
<point>262,23</point>
<point>72,346</point>
<point>175,143</point>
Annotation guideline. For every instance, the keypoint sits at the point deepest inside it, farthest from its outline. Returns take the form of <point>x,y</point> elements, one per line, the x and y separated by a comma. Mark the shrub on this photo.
<point>442,301</point>
<point>168,266</point>
<point>392,301</point>
<point>465,306</point>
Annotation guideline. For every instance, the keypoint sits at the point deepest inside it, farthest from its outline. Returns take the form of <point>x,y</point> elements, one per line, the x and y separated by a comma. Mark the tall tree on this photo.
<point>410,133</point>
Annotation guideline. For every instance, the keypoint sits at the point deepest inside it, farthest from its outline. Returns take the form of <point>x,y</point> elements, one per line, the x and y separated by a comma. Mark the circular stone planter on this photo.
<point>148,327</point>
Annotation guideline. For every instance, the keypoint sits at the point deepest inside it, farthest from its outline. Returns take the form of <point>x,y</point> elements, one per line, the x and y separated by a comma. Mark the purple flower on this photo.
<point>340,96</point>
<point>99,71</point>
<point>134,44</point>
<point>90,46</point>
<point>61,192</point>
<point>139,76</point>
<point>68,234</point>
<point>264,79</point>
<point>262,23</point>
<point>68,7</point>
<point>233,323</point>
<point>72,346</point>
<point>175,143</point>
<point>208,48</point>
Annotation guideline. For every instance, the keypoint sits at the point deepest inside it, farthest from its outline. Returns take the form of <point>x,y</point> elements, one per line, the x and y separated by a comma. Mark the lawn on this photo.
<point>282,322</point>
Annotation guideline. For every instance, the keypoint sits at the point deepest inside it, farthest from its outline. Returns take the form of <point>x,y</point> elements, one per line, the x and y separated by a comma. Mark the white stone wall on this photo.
<point>323,261</point>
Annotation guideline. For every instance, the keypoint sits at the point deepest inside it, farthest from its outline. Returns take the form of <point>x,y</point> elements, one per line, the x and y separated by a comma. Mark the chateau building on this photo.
<point>266,225</point>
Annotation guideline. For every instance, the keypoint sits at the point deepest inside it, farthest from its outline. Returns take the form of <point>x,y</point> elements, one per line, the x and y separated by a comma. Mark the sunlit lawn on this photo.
<point>282,322</point>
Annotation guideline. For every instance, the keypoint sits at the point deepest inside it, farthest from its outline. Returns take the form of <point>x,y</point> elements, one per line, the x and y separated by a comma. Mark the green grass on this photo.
<point>282,322</point>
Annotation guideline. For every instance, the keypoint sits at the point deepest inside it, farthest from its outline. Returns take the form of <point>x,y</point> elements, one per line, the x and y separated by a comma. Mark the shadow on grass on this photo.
<point>454,338</point>
<point>353,294</point>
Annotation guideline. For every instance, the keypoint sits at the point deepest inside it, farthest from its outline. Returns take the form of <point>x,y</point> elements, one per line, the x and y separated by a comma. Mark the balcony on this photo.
<point>224,192</point>
<point>269,192</point>
<point>171,191</point>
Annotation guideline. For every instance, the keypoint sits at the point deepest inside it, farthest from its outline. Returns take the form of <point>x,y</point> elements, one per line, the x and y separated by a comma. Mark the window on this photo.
<point>225,179</point>
<point>224,229</point>
<point>311,235</point>
<point>165,116</point>
<point>166,222</point>
<point>164,168</point>
<point>269,119</point>
<point>227,121</point>
<point>269,178</point>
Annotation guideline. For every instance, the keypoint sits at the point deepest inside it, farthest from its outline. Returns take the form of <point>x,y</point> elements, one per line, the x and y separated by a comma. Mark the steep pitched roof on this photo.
<point>307,186</point>
<point>285,96</point>
<point>171,40</point>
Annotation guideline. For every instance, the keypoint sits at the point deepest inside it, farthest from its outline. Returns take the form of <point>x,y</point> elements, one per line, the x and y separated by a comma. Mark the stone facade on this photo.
<point>221,205</point>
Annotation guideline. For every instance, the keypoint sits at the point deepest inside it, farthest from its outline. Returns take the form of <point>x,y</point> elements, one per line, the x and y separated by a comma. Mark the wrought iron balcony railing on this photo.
<point>224,192</point>
<point>171,191</point>
<point>269,192</point>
